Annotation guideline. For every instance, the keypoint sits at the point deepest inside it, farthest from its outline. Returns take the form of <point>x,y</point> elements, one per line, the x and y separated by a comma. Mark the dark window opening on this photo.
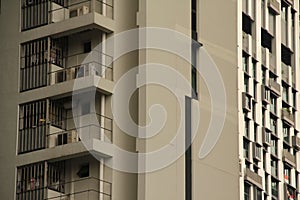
<point>247,24</point>
<point>84,171</point>
<point>87,47</point>
<point>286,55</point>
<point>266,39</point>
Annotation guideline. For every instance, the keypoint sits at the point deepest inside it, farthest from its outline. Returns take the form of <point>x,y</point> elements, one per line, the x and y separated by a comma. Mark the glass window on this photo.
<point>246,149</point>
<point>263,76</point>
<point>273,125</point>
<point>273,146</point>
<point>287,174</point>
<point>274,185</point>
<point>245,64</point>
<point>286,133</point>
<point>246,191</point>
<point>285,94</point>
<point>273,103</point>
<point>246,84</point>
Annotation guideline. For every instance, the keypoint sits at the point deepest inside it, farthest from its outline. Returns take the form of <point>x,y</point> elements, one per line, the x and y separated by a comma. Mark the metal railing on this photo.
<point>84,188</point>
<point>90,129</point>
<point>82,65</point>
<point>75,8</point>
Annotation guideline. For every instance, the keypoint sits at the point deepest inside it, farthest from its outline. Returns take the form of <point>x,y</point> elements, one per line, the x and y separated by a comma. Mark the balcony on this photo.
<point>253,178</point>
<point>274,86</point>
<point>274,6</point>
<point>288,158</point>
<point>45,134</point>
<point>81,65</point>
<point>82,189</point>
<point>86,188</point>
<point>285,72</point>
<point>287,115</point>
<point>296,142</point>
<point>58,11</point>
<point>61,61</point>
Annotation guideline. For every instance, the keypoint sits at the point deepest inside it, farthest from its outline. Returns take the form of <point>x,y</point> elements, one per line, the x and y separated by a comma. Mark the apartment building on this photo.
<point>44,46</point>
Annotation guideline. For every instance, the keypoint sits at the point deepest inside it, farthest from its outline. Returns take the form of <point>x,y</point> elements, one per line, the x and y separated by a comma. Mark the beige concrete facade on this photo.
<point>254,45</point>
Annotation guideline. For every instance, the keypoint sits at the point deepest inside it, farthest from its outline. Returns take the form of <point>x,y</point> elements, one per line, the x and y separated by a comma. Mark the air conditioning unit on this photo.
<point>83,10</point>
<point>72,137</point>
<point>79,11</point>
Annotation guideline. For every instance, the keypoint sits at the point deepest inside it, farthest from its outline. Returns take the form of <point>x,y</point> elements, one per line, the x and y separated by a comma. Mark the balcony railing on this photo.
<point>85,188</point>
<point>72,9</point>
<point>274,86</point>
<point>39,13</point>
<point>82,65</point>
<point>288,158</point>
<point>253,178</point>
<point>100,129</point>
<point>287,115</point>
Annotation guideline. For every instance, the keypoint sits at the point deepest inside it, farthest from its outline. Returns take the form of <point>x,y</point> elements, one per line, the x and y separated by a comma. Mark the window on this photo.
<point>87,47</point>
<point>246,122</point>
<point>273,125</point>
<point>286,132</point>
<point>247,24</point>
<point>34,14</point>
<point>294,99</point>
<point>254,68</point>
<point>274,186</point>
<point>287,174</point>
<point>266,39</point>
<point>245,63</point>
<point>285,93</point>
<point>254,89</point>
<point>273,104</point>
<point>257,194</point>
<point>255,132</point>
<point>246,149</point>
<point>272,22</point>
<point>247,191</point>
<point>56,176</point>
<point>273,146</point>
<point>57,114</point>
<point>30,181</point>
<point>32,126</point>
<point>246,84</point>
<point>84,171</point>
<point>33,69</point>
<point>263,76</point>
